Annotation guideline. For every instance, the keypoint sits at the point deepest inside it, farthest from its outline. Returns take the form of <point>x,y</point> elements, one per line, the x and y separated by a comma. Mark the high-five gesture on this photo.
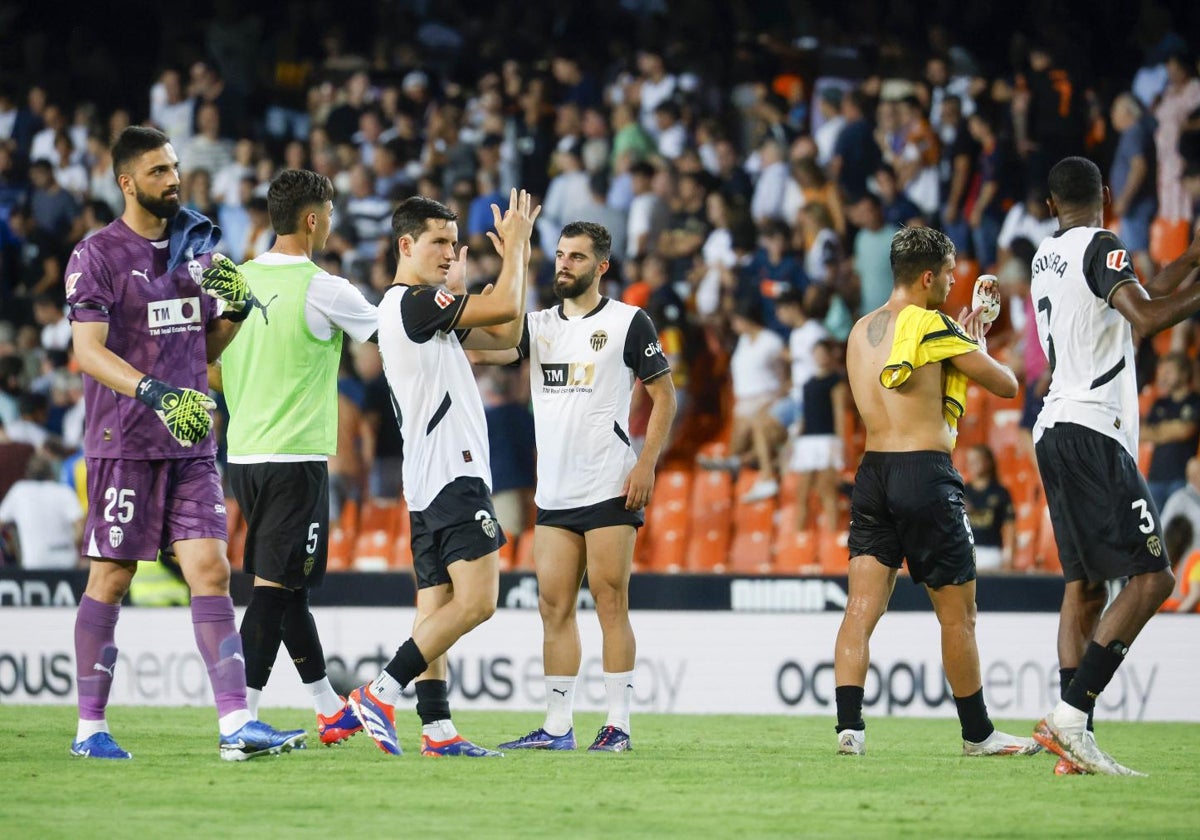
<point>516,223</point>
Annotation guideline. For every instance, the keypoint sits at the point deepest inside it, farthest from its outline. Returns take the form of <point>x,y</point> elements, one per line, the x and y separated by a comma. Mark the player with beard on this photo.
<point>151,305</point>
<point>584,355</point>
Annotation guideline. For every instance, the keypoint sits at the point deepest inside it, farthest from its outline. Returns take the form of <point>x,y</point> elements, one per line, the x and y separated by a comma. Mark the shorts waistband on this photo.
<point>919,456</point>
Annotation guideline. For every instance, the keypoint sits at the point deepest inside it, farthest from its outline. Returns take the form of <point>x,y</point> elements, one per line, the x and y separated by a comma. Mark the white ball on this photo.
<point>987,295</point>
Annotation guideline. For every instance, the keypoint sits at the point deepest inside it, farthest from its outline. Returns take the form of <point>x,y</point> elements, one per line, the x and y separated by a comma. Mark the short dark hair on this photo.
<point>413,214</point>
<point>916,250</point>
<point>133,142</point>
<point>292,195</point>
<point>601,238</point>
<point>1076,182</point>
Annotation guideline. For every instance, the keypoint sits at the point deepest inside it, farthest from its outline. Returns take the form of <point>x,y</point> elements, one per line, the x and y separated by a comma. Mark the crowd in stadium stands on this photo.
<point>751,169</point>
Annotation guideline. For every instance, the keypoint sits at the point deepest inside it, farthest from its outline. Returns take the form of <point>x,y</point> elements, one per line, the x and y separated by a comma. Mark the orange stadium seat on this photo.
<point>833,552</point>
<point>382,515</point>
<point>401,558</point>
<point>711,515</point>
<point>1046,559</point>
<point>339,550</point>
<point>795,551</point>
<point>663,542</point>
<point>524,556</point>
<point>1168,239</point>
<point>1029,522</point>
<point>753,528</point>
<point>373,550</point>
<point>508,552</point>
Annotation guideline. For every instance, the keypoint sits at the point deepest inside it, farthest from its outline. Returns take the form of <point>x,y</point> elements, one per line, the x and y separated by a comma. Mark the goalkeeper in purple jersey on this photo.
<point>151,305</point>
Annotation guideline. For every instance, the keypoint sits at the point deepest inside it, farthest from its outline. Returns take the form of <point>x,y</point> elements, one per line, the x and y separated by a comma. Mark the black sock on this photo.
<point>407,664</point>
<point>433,701</point>
<point>262,630</point>
<point>301,639</point>
<point>973,716</point>
<point>849,707</point>
<point>1065,675</point>
<point>1094,674</point>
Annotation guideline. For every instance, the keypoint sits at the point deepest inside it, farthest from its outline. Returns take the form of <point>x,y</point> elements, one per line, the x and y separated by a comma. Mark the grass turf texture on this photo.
<point>696,776</point>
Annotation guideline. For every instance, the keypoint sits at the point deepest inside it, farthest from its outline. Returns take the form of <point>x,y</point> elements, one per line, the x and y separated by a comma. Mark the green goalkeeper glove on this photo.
<point>183,411</point>
<point>226,283</point>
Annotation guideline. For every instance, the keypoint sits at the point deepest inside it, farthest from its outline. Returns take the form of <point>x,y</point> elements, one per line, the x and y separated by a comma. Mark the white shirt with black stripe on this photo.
<point>581,373</point>
<point>433,391</point>
<point>1089,343</point>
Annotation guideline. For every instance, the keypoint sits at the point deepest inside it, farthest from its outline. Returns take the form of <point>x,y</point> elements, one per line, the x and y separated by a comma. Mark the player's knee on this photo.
<point>612,601</point>
<point>478,609</point>
<point>556,608</point>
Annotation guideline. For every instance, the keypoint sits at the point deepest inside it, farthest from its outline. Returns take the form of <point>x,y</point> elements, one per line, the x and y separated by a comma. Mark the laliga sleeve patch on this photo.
<point>443,298</point>
<point>1117,260</point>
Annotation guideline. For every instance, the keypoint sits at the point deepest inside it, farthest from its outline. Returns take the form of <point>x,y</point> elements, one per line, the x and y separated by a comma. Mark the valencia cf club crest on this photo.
<point>598,340</point>
<point>116,536</point>
<point>195,271</point>
<point>1154,545</point>
<point>309,562</point>
<point>486,523</point>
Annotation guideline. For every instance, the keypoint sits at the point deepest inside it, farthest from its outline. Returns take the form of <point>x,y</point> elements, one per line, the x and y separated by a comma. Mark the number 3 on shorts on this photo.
<point>1146,526</point>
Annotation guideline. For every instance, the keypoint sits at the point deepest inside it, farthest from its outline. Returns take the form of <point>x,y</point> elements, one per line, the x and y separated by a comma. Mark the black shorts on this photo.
<point>910,505</point>
<point>286,506</point>
<point>1105,521</point>
<point>459,524</point>
<point>580,520</point>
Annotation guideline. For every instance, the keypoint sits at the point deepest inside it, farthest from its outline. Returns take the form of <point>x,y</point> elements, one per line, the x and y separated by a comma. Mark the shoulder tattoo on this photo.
<point>878,327</point>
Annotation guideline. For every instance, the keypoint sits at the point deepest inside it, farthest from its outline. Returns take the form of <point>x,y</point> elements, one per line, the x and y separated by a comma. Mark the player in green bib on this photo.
<point>280,381</point>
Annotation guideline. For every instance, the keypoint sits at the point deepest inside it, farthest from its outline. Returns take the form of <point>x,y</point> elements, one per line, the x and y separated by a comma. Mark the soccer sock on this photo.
<point>433,700</point>
<point>262,631</point>
<point>973,716</point>
<point>560,705</point>
<point>221,648</point>
<point>325,700</point>
<point>301,639</point>
<point>619,688</point>
<point>253,698</point>
<point>1094,674</point>
<point>1065,675</point>
<point>406,666</point>
<point>95,657</point>
<point>386,688</point>
<point>849,699</point>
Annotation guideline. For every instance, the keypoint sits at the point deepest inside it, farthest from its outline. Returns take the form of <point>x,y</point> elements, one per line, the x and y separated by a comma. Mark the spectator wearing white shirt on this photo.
<point>226,182</point>
<point>771,187</point>
<point>672,134</point>
<point>47,516</point>
<point>170,109</point>
<point>56,328</point>
<point>568,195</point>
<point>655,86</point>
<point>1030,220</point>
<point>1185,502</point>
<point>206,149</point>
<point>42,147</point>
<point>830,104</point>
<point>648,214</point>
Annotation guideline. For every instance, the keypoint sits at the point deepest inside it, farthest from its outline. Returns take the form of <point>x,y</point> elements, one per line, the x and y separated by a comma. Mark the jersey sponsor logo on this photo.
<point>570,375</point>
<point>598,339</point>
<point>443,298</point>
<point>486,523</point>
<point>1117,260</point>
<point>467,456</point>
<point>653,348</point>
<point>72,282</point>
<point>177,315</point>
<point>145,275</point>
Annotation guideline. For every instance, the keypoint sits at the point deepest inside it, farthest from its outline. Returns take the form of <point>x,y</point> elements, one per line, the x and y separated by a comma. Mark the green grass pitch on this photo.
<point>689,776</point>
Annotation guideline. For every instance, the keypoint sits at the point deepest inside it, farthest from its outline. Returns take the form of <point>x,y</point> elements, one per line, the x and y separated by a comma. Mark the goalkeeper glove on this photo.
<point>226,283</point>
<point>183,411</point>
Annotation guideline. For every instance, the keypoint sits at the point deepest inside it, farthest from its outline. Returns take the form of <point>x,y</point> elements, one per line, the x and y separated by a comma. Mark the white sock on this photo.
<point>619,688</point>
<point>440,730</point>
<point>1067,715</point>
<point>325,700</point>
<point>87,728</point>
<point>386,688</point>
<point>234,721</point>
<point>253,695</point>
<point>560,703</point>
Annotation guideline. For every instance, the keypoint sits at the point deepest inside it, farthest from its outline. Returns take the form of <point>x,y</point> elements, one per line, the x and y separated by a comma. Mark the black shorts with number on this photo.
<point>1105,521</point>
<point>910,505</point>
<point>459,524</point>
<point>286,506</point>
<point>604,514</point>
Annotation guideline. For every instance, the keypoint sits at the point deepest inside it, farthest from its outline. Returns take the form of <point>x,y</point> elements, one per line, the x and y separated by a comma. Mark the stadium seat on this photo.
<point>753,528</point>
<point>339,550</point>
<point>508,552</point>
<point>524,556</point>
<point>1046,559</point>
<point>382,515</point>
<point>966,271</point>
<point>833,552</point>
<point>1168,239</point>
<point>373,550</point>
<point>711,514</point>
<point>401,558</point>
<point>795,551</point>
<point>1029,522</point>
<point>662,543</point>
